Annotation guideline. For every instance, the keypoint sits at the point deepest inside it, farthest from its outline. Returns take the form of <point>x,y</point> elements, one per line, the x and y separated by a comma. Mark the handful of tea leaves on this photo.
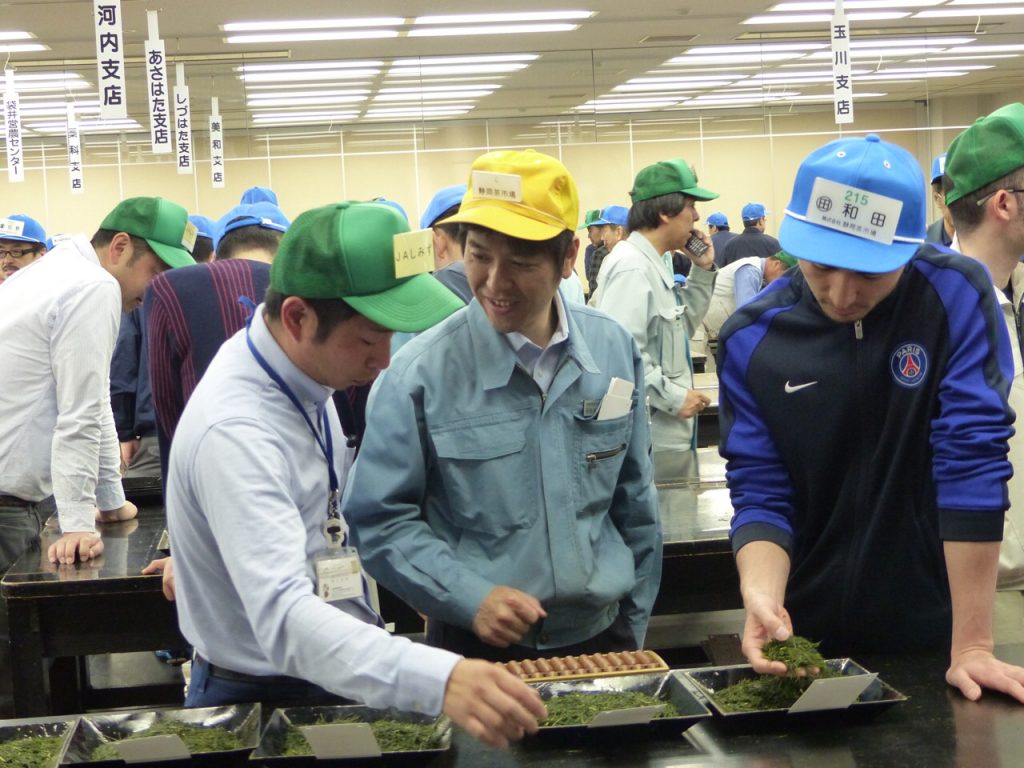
<point>772,691</point>
<point>581,708</point>
<point>391,735</point>
<point>30,751</point>
<point>196,738</point>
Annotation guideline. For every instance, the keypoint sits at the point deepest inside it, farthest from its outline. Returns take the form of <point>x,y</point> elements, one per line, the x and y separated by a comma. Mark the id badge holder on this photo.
<point>339,575</point>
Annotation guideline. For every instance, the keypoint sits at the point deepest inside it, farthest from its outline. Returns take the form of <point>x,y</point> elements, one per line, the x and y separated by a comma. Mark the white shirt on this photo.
<point>59,318</point>
<point>246,501</point>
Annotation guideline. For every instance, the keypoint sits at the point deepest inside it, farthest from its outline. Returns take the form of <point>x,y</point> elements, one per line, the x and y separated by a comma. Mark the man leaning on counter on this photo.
<point>268,592</point>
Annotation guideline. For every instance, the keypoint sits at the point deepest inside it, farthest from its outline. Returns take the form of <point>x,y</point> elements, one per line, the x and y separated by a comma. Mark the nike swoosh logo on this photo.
<point>791,388</point>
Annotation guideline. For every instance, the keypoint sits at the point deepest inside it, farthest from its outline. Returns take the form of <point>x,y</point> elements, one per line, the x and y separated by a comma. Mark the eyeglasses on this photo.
<point>16,255</point>
<point>985,199</point>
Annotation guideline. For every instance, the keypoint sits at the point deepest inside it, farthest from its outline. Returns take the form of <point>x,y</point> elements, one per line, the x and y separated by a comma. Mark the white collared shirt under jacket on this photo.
<point>246,503</point>
<point>59,318</point>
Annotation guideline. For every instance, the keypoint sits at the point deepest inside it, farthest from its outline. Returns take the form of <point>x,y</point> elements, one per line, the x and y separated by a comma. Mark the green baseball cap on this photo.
<point>590,218</point>
<point>988,150</point>
<point>346,251</point>
<point>666,177</point>
<point>162,224</point>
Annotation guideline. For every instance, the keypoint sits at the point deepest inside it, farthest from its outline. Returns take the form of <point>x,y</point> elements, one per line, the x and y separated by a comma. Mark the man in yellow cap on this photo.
<point>504,486</point>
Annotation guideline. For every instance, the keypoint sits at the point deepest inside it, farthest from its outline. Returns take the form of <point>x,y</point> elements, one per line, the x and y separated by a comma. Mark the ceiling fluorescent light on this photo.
<point>307,65</point>
<point>437,88</point>
<point>414,97</point>
<point>328,114</point>
<point>264,26</point>
<point>507,29</point>
<point>15,35</point>
<point>911,42</point>
<point>983,2</point>
<point>910,78</point>
<point>487,59</point>
<point>253,94</point>
<point>309,101</point>
<point>307,37</point>
<point>299,77</point>
<point>968,11</point>
<point>975,49</point>
<point>824,18</point>
<point>669,85</point>
<point>973,57</point>
<point>761,47</point>
<point>852,5</point>
<point>743,58</point>
<point>455,69</point>
<point>22,47</point>
<point>504,18</point>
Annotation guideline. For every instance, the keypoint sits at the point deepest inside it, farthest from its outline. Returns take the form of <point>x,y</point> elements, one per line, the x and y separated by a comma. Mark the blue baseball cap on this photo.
<point>23,229</point>
<point>613,214</point>
<point>205,227</point>
<point>443,199</point>
<point>753,212</point>
<point>266,215</point>
<point>394,205</point>
<point>938,167</point>
<point>717,219</point>
<point>258,195</point>
<point>857,204</point>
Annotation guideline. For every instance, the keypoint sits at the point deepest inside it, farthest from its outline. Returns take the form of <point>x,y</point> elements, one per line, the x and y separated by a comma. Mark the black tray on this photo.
<point>660,685</point>
<point>93,730</point>
<point>17,729</point>
<point>877,697</point>
<point>142,490</point>
<point>269,750</point>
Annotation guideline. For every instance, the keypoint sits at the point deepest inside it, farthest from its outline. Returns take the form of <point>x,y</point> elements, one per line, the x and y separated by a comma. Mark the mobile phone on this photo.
<point>696,246</point>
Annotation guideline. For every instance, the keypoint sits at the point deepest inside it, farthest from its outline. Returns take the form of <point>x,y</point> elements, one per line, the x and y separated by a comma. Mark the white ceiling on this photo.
<point>621,41</point>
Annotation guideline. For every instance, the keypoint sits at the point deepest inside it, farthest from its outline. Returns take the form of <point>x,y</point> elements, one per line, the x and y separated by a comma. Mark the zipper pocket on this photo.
<point>596,456</point>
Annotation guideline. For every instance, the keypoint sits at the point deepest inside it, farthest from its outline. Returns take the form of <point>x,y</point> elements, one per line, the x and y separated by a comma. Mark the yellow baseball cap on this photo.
<point>520,193</point>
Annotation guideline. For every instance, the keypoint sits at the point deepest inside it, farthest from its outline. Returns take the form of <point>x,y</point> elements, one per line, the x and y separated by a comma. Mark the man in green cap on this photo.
<point>59,323</point>
<point>504,487</point>
<point>984,181</point>
<point>269,591</point>
<point>637,288</point>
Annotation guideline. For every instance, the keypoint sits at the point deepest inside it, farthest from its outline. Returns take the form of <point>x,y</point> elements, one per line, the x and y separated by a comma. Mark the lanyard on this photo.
<point>325,442</point>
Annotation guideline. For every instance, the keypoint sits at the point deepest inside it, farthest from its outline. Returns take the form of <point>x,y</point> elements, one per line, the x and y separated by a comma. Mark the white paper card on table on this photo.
<point>833,693</point>
<point>151,749</point>
<point>617,401</point>
<point>631,716</point>
<point>341,740</point>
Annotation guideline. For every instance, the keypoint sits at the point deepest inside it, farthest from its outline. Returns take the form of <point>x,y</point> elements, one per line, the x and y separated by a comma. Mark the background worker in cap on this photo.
<point>595,241</point>
<point>984,174</point>
<point>637,288</point>
<point>22,241</point>
<point>718,229</point>
<point>448,267</point>
<point>941,230</point>
<point>752,241</point>
<point>506,502</point>
<point>865,426</point>
<point>59,324</point>
<point>205,229</point>
<point>257,463</point>
<point>614,223</point>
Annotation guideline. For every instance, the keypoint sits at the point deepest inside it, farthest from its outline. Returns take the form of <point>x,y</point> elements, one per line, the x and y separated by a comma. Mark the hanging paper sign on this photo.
<point>842,74</point>
<point>110,78</point>
<point>12,122</point>
<point>75,153</point>
<point>216,145</point>
<point>182,122</point>
<point>156,81</point>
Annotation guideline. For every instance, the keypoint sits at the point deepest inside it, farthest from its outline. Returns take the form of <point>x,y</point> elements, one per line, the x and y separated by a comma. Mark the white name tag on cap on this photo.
<point>854,211</point>
<point>11,227</point>
<point>414,252</point>
<point>188,238</point>
<point>497,186</point>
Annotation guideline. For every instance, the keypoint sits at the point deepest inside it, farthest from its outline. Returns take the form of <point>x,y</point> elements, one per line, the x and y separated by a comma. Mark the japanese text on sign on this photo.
<point>842,76</point>
<point>77,178</point>
<point>216,151</point>
<point>12,123</point>
<point>110,75</point>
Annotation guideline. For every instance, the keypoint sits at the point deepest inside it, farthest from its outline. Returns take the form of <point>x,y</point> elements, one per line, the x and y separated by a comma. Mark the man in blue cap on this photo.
<point>752,241</point>
<point>448,266</point>
<point>941,230</point>
<point>205,229</point>
<point>22,241</point>
<point>865,424</point>
<point>258,195</point>
<point>718,228</point>
<point>614,226</point>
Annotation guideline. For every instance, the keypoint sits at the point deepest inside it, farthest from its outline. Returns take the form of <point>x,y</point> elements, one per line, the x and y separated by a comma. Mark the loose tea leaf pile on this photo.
<point>771,691</point>
<point>391,735</point>
<point>30,752</point>
<point>581,708</point>
<point>196,737</point>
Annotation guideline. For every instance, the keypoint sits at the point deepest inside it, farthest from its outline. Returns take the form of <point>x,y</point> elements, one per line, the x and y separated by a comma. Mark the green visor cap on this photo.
<point>667,177</point>
<point>590,218</point>
<point>346,251</point>
<point>162,224</point>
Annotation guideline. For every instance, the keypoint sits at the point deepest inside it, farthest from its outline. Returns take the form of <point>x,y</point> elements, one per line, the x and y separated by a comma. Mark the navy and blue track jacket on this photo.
<point>860,447</point>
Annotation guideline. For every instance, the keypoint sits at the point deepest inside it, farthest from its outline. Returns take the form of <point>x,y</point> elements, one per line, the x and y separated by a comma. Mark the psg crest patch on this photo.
<point>909,364</point>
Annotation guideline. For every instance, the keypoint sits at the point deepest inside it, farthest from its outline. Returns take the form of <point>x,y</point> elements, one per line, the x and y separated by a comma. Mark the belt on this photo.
<point>222,673</point>
<point>14,501</point>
